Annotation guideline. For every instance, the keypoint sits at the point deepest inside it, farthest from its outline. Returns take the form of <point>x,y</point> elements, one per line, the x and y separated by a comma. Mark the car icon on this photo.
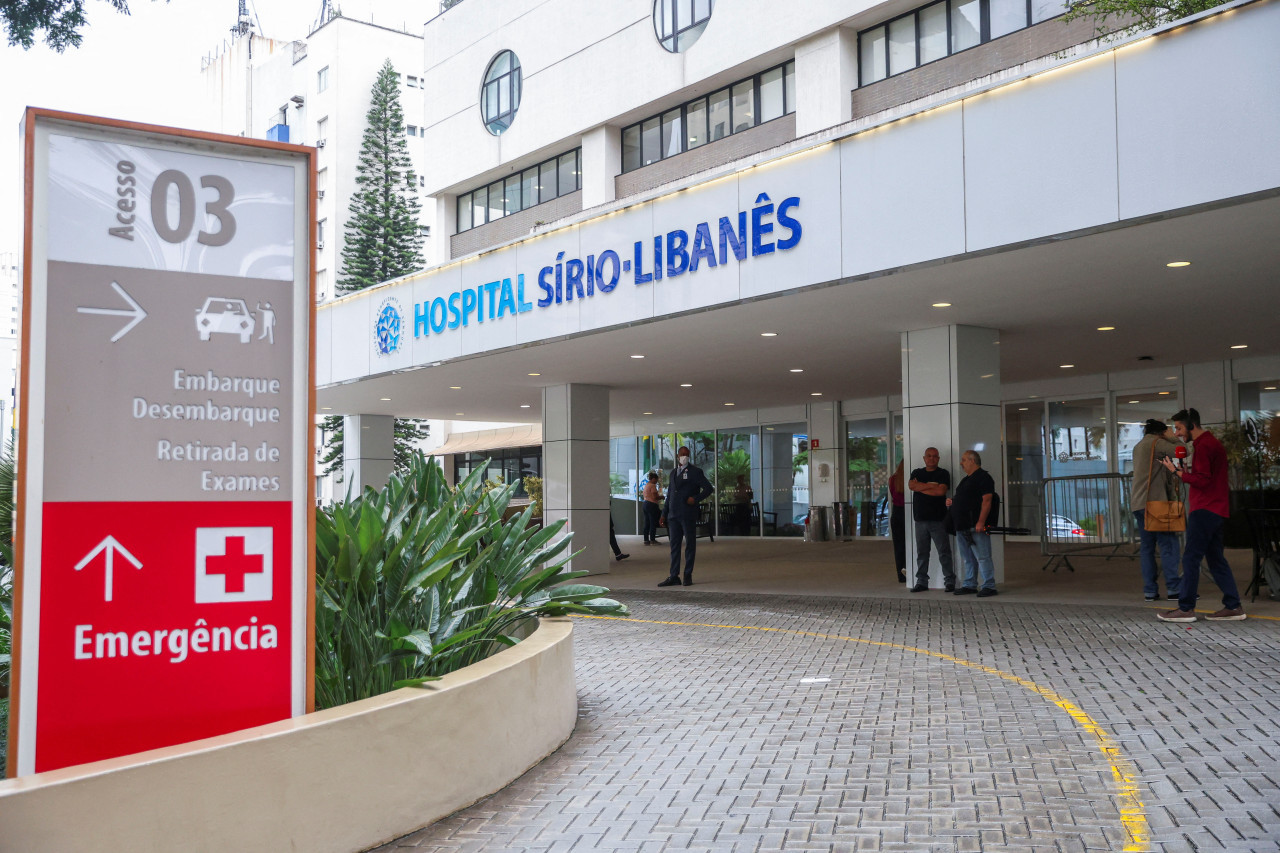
<point>225,316</point>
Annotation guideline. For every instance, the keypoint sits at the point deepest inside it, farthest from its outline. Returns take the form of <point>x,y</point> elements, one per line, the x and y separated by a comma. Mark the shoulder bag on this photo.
<point>1162,516</point>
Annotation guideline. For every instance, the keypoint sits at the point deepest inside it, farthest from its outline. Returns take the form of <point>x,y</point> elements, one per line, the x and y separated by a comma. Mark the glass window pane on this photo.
<point>695,116</point>
<point>744,105</point>
<point>784,491</point>
<point>529,187</point>
<point>1043,10</point>
<point>791,87</point>
<point>771,106</point>
<point>495,201</point>
<point>664,18</point>
<point>1007,16</point>
<point>902,44</point>
<point>651,141</point>
<point>479,207</point>
<point>504,95</point>
<point>737,479</point>
<point>1024,465</point>
<point>568,172</point>
<point>672,133</point>
<point>701,9</point>
<point>547,180</point>
<point>870,466</point>
<point>464,212</point>
<point>933,32</point>
<point>511,194</point>
<point>718,115</point>
<point>966,24</point>
<point>871,46</point>
<point>501,65</point>
<point>631,148</point>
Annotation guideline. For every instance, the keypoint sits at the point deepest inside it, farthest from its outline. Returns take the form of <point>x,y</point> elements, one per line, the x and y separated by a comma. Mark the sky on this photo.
<point>142,67</point>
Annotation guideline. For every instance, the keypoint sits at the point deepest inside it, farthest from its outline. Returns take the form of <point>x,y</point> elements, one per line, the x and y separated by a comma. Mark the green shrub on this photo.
<point>421,579</point>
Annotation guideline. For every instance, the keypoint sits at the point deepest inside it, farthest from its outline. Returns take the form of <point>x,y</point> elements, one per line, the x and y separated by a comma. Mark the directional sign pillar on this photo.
<point>165,493</point>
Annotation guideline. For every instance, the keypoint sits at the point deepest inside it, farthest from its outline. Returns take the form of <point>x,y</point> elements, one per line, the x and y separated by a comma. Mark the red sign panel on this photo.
<point>163,573</point>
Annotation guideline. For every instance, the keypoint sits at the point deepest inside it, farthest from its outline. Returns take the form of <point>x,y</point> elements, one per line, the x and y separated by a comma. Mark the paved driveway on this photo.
<point>962,725</point>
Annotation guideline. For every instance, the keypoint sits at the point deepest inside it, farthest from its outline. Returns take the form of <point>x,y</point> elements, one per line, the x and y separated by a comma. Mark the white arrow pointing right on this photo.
<point>135,311</point>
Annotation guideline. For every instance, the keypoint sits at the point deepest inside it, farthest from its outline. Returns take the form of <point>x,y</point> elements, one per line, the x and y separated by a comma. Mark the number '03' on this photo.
<point>217,208</point>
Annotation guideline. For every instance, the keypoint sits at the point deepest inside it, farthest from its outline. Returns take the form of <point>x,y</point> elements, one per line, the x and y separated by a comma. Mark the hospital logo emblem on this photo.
<point>388,326</point>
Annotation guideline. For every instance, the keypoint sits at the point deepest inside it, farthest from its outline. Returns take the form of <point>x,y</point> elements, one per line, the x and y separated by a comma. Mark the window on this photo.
<point>772,102</point>
<point>413,82</point>
<point>744,105</point>
<point>322,79</point>
<point>718,115</point>
<point>322,130</point>
<point>942,28</point>
<point>500,92</point>
<point>411,131</point>
<point>520,191</point>
<point>679,23</point>
<point>695,115</point>
<point>672,132</point>
<point>631,148</point>
<point>320,227</point>
<point>651,140</point>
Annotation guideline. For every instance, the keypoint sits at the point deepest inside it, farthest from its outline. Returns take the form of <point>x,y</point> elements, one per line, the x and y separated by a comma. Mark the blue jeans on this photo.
<point>1204,542</point>
<point>651,513</point>
<point>975,554</point>
<point>1168,542</point>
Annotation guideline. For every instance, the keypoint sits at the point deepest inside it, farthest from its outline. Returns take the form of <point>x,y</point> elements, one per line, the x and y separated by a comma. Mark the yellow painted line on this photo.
<point>1132,813</point>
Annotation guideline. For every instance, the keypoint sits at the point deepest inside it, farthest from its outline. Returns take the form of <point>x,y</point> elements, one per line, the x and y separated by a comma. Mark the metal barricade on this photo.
<point>1088,513</point>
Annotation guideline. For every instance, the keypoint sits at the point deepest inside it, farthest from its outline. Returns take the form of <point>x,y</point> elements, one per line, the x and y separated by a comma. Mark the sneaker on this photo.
<point>622,557</point>
<point>965,590</point>
<point>986,592</point>
<point>920,587</point>
<point>1156,597</point>
<point>671,581</point>
<point>1176,616</point>
<point>1227,615</point>
<point>951,587</point>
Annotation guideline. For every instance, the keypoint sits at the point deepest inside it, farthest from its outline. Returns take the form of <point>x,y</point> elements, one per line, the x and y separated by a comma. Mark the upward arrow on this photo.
<point>134,310</point>
<point>110,546</point>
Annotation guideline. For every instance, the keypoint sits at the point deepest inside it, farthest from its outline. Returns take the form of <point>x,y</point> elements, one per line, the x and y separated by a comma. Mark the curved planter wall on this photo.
<point>340,780</point>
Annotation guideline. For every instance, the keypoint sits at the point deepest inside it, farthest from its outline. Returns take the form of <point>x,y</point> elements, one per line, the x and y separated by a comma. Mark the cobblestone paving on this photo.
<point>722,739</point>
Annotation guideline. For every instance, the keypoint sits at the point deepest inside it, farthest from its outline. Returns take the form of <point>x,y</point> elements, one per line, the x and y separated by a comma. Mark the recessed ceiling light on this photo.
<point>1171,377</point>
<point>1265,388</point>
<point>770,429</point>
<point>385,399</point>
<point>797,370</point>
<point>1106,328</point>
<point>686,384</point>
<point>1240,346</point>
<point>815,394</point>
<point>768,334</point>
<point>455,387</point>
<point>458,414</point>
<point>1135,401</point>
<point>637,356</point>
<point>728,404</point>
<point>1164,393</point>
<point>326,408</point>
<point>942,305</point>
<point>1024,409</point>
<point>986,376</point>
<point>671,423</point>
<point>1178,264</point>
<point>524,405</point>
<point>646,413</point>
<point>535,374</point>
<point>1066,365</point>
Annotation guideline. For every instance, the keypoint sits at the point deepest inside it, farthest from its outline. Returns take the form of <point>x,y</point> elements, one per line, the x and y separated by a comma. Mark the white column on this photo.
<point>446,225</point>
<point>827,466</point>
<point>575,469</point>
<point>826,75</point>
<point>368,448</point>
<point>601,163</point>
<point>951,401</point>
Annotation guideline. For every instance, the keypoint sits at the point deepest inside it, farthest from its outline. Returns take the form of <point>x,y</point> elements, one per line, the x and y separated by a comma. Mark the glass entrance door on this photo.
<point>867,443</point>
<point>784,475</point>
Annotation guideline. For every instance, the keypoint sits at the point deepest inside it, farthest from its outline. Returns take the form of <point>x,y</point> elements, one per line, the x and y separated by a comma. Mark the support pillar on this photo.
<point>951,401</point>
<point>368,452</point>
<point>575,469</point>
<point>827,465</point>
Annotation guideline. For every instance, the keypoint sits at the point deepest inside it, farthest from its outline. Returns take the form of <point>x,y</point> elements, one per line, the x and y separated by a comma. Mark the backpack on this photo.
<point>1271,575</point>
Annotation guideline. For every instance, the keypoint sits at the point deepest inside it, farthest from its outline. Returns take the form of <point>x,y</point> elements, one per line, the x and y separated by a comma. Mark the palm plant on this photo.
<point>421,579</point>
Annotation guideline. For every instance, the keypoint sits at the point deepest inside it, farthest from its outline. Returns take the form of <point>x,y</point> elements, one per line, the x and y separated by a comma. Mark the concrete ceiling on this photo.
<point>1046,299</point>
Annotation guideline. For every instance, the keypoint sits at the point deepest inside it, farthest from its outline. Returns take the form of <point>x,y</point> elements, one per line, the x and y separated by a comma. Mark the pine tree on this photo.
<point>382,237</point>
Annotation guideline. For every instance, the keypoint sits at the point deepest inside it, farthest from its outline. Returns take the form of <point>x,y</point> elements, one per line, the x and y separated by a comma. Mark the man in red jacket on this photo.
<point>1209,508</point>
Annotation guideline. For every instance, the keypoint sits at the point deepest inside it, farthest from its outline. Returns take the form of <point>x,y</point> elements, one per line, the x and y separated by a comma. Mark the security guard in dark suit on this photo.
<point>688,488</point>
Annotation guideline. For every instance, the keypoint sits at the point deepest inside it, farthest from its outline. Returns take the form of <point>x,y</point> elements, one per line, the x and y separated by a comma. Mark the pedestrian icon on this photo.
<point>268,323</point>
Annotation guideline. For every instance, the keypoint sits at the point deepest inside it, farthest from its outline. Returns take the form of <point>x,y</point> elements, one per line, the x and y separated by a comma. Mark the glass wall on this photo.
<point>1024,465</point>
<point>1078,437</point>
<point>1132,412</point>
<point>867,443</point>
<point>1260,431</point>
<point>738,483</point>
<point>506,465</point>
<point>624,485</point>
<point>784,478</point>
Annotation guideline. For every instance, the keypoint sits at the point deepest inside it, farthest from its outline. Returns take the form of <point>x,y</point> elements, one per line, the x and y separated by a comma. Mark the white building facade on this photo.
<point>10,323</point>
<point>808,243</point>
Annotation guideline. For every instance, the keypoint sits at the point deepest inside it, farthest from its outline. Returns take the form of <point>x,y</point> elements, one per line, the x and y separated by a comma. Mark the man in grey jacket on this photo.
<point>1152,482</point>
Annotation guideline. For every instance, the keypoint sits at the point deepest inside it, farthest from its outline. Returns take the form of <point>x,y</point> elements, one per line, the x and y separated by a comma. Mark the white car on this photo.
<point>225,316</point>
<point>1061,527</point>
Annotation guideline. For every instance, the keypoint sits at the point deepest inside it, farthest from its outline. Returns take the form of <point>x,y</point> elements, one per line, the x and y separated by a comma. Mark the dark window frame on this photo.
<point>677,30</point>
<point>788,72</point>
<point>984,35</point>
<point>545,193</point>
<point>512,79</point>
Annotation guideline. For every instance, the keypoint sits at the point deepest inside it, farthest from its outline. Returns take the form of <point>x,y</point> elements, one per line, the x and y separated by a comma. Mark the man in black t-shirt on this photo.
<point>929,509</point>
<point>969,510</point>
